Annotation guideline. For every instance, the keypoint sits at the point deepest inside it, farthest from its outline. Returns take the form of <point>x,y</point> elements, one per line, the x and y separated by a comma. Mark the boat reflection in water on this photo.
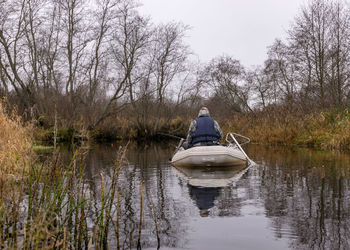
<point>205,183</point>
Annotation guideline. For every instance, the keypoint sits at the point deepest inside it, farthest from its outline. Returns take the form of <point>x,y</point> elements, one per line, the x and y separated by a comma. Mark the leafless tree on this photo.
<point>310,69</point>
<point>226,76</point>
<point>170,57</point>
<point>263,83</point>
<point>339,53</point>
<point>310,40</point>
<point>99,79</point>
<point>130,38</point>
<point>281,69</point>
<point>12,62</point>
<point>76,36</point>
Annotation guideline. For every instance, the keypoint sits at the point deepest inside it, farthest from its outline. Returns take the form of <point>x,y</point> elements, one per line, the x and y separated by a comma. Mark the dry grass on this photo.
<point>51,207</point>
<point>15,145</point>
<point>326,130</point>
<point>329,129</point>
<point>15,158</point>
<point>270,129</point>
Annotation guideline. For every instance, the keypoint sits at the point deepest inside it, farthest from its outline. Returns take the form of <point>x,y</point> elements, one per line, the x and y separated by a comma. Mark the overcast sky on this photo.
<point>239,28</point>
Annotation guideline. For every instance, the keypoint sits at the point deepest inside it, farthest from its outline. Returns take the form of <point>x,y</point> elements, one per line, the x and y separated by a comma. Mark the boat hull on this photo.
<point>208,156</point>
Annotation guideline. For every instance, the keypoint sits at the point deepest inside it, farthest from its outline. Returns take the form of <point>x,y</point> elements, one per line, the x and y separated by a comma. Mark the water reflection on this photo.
<point>305,195</point>
<point>205,184</point>
<point>211,176</point>
<point>295,198</point>
<point>204,197</point>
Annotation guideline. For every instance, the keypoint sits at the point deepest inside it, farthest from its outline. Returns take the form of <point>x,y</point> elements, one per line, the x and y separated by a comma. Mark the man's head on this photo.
<point>204,111</point>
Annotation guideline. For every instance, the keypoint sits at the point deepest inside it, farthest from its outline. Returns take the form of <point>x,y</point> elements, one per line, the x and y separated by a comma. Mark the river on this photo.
<point>294,198</point>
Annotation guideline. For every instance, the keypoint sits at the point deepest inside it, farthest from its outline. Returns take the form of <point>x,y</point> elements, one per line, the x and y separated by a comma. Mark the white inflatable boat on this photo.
<point>211,156</point>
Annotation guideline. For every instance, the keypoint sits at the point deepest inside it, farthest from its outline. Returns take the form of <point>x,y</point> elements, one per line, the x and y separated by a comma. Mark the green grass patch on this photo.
<point>42,147</point>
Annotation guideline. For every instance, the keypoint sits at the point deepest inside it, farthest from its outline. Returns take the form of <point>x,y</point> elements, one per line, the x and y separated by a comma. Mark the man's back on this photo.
<point>203,129</point>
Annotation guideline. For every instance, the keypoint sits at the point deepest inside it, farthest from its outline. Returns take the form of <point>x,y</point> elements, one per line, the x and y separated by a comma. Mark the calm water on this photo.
<point>293,199</point>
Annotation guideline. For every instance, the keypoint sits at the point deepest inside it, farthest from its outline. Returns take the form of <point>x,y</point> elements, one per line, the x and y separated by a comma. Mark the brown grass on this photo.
<point>15,157</point>
<point>15,145</point>
<point>329,129</point>
<point>326,130</point>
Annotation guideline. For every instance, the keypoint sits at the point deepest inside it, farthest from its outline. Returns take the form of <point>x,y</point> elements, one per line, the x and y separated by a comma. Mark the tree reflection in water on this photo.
<point>304,195</point>
<point>307,192</point>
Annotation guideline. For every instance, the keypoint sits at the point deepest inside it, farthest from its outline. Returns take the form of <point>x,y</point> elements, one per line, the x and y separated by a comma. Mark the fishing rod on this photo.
<point>171,136</point>
<point>175,137</point>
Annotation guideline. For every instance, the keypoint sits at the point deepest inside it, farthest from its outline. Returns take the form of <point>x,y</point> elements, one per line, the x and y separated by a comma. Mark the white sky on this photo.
<point>242,29</point>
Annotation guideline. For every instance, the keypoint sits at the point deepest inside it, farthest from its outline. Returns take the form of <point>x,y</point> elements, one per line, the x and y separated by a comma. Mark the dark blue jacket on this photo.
<point>205,130</point>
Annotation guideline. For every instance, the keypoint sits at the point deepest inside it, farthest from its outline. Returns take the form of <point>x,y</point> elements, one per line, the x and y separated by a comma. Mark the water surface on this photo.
<point>293,199</point>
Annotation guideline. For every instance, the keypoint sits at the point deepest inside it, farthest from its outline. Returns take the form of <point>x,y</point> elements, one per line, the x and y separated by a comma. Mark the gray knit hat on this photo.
<point>204,111</point>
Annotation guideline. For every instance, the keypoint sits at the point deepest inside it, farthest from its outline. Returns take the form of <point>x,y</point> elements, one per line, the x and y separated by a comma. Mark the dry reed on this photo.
<point>15,145</point>
<point>326,130</point>
<point>49,204</point>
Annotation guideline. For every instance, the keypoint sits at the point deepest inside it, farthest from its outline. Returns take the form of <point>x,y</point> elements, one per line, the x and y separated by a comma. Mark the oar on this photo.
<point>250,161</point>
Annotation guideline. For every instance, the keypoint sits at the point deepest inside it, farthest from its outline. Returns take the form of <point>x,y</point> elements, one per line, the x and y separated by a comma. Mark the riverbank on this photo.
<point>324,130</point>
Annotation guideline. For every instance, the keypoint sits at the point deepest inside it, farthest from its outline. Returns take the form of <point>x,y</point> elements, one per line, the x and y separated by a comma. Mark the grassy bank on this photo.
<point>329,129</point>
<point>122,129</point>
<point>325,130</point>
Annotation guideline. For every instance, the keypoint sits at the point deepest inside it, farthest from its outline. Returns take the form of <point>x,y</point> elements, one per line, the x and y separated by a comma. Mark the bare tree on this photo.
<point>76,39</point>
<point>12,62</point>
<point>226,76</point>
<point>339,53</point>
<point>281,71</point>
<point>263,85</point>
<point>170,57</point>
<point>49,50</point>
<point>104,16</point>
<point>130,39</point>
<point>311,39</point>
<point>91,58</point>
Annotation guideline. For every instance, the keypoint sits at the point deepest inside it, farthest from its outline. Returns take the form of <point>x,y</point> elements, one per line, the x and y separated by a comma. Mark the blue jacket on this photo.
<point>205,130</point>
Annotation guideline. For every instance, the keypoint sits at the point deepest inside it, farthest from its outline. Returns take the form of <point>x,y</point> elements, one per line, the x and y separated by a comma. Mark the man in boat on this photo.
<point>203,131</point>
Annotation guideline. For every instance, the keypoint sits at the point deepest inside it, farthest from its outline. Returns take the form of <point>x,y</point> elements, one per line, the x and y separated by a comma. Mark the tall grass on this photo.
<point>15,145</point>
<point>48,205</point>
<point>327,130</point>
